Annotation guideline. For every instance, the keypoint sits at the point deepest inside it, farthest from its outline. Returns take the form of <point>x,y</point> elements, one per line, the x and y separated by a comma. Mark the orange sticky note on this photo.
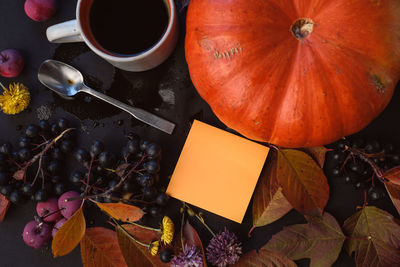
<point>217,171</point>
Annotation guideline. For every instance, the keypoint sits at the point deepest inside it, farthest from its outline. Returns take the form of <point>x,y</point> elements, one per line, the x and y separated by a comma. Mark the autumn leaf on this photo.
<point>192,239</point>
<point>264,258</point>
<point>393,175</point>
<point>134,253</point>
<point>321,240</point>
<point>19,175</point>
<point>303,182</point>
<point>121,212</point>
<point>69,235</point>
<point>269,203</point>
<point>318,153</point>
<point>394,193</point>
<point>4,205</point>
<point>374,238</point>
<point>100,248</point>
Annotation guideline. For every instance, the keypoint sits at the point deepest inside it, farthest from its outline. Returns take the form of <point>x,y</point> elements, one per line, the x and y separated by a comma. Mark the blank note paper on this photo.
<point>217,171</point>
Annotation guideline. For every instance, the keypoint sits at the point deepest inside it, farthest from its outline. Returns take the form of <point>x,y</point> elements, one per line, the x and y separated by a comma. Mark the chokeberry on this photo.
<point>153,150</point>
<point>76,177</point>
<point>128,186</point>
<point>57,154</point>
<point>32,131</point>
<point>6,190</point>
<point>356,166</point>
<point>336,156</point>
<point>341,144</point>
<point>96,148</point>
<point>60,189</point>
<point>24,154</point>
<point>16,197</point>
<point>143,144</point>
<point>132,146</point>
<point>54,129</point>
<point>24,142</point>
<point>166,255</point>
<point>41,195</point>
<point>154,211</point>
<point>66,146</point>
<point>372,147</point>
<point>82,155</point>
<point>358,143</point>
<point>27,189</point>
<point>388,148</point>
<point>152,166</point>
<point>44,126</point>
<point>62,124</point>
<point>112,183</point>
<point>395,159</point>
<point>145,180</point>
<point>162,199</point>
<point>349,179</point>
<point>107,159</point>
<point>360,185</point>
<point>149,193</point>
<point>6,148</point>
<point>375,193</point>
<point>334,172</point>
<point>54,167</point>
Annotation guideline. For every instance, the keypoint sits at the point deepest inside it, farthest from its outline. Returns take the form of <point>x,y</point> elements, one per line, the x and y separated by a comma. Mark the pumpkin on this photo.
<point>294,73</point>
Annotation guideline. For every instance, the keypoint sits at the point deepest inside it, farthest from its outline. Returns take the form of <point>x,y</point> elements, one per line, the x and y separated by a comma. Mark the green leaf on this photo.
<point>321,240</point>
<point>374,238</point>
<point>303,182</point>
<point>264,258</point>
<point>269,203</point>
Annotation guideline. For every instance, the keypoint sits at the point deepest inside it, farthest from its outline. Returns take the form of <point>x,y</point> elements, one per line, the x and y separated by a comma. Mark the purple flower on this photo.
<point>223,249</point>
<point>190,257</point>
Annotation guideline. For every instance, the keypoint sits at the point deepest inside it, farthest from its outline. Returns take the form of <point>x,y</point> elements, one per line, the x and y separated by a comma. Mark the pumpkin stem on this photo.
<point>301,28</point>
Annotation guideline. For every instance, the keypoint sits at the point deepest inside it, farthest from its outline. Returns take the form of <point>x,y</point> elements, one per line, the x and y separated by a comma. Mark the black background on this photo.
<point>96,120</point>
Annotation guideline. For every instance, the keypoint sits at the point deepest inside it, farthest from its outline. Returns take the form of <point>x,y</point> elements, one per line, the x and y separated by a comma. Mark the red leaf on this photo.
<point>318,153</point>
<point>100,248</point>
<point>135,254</point>
<point>4,205</point>
<point>269,203</point>
<point>122,212</point>
<point>193,239</point>
<point>374,238</point>
<point>264,258</point>
<point>393,175</point>
<point>321,240</point>
<point>19,175</point>
<point>303,182</point>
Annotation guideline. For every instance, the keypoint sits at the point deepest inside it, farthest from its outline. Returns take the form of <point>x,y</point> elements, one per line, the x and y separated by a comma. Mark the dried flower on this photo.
<point>15,99</point>
<point>154,248</point>
<point>223,249</point>
<point>190,257</point>
<point>167,229</point>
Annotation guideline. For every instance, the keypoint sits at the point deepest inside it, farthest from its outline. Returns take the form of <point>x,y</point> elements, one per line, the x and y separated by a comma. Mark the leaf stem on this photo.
<point>192,213</point>
<point>130,236</point>
<point>145,227</point>
<point>182,221</point>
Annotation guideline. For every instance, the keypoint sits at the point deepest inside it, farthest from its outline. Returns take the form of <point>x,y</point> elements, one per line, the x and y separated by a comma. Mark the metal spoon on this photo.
<point>67,81</point>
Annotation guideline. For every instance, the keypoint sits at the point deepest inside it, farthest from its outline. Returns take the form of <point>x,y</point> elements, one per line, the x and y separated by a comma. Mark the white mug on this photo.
<point>79,31</point>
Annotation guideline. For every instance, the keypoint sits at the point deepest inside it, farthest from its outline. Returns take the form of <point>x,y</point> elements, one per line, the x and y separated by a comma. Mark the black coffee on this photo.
<point>128,26</point>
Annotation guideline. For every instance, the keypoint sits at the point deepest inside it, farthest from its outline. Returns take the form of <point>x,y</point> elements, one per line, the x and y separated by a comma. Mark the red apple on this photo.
<point>68,208</point>
<point>40,10</point>
<point>11,63</point>
<point>50,206</point>
<point>36,235</point>
<point>57,226</point>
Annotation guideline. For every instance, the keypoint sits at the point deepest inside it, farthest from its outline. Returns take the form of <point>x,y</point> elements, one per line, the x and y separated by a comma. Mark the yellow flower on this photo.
<point>154,248</point>
<point>167,229</point>
<point>15,99</point>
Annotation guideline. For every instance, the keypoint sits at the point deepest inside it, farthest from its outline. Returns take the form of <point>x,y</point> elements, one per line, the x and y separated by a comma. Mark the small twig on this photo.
<point>182,221</point>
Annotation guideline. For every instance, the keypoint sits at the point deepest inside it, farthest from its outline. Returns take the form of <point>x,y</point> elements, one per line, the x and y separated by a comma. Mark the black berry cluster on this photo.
<point>32,168</point>
<point>130,177</point>
<point>361,163</point>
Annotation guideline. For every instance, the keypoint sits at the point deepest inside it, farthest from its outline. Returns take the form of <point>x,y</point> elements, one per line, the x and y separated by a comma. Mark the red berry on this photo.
<point>40,10</point>
<point>11,63</point>
<point>48,207</point>
<point>57,226</point>
<point>70,207</point>
<point>36,235</point>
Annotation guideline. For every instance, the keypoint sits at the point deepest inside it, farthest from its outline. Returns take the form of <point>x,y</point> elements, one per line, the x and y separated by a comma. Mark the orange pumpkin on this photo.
<point>294,73</point>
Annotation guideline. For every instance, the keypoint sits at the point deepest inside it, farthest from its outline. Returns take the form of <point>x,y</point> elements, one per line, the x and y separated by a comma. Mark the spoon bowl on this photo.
<point>67,81</point>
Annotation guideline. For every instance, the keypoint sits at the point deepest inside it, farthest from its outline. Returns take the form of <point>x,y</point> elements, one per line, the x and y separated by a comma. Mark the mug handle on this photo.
<point>66,32</point>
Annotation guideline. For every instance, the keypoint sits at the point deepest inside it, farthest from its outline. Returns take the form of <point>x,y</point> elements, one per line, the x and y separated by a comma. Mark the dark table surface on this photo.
<point>167,91</point>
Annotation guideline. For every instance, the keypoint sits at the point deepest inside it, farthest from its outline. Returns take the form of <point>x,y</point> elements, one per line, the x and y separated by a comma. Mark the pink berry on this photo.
<point>11,63</point>
<point>70,207</point>
<point>48,207</point>
<point>40,10</point>
<point>57,226</point>
<point>36,235</point>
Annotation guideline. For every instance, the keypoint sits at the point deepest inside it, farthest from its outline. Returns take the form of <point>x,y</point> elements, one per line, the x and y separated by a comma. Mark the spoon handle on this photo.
<point>137,113</point>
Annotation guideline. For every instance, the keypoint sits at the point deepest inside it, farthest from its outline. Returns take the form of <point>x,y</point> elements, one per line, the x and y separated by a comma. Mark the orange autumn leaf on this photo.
<point>69,235</point>
<point>4,205</point>
<point>100,248</point>
<point>122,212</point>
